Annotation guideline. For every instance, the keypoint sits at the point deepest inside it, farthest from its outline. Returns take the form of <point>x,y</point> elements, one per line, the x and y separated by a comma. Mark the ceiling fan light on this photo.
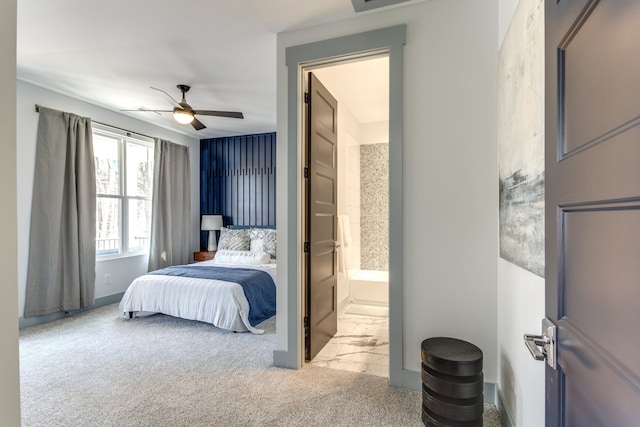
<point>182,116</point>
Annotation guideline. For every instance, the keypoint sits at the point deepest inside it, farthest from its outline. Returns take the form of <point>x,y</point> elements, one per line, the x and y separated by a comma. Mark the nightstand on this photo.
<point>203,255</point>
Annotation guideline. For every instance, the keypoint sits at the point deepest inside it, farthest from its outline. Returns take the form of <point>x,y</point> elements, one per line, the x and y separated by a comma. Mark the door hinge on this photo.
<point>306,172</point>
<point>543,347</point>
<point>306,246</point>
<point>306,97</point>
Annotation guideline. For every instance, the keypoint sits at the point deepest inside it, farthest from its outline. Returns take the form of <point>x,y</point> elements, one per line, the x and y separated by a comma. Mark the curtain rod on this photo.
<point>111,126</point>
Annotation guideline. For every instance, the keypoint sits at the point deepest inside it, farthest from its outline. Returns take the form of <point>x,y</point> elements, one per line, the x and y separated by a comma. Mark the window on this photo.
<point>124,177</point>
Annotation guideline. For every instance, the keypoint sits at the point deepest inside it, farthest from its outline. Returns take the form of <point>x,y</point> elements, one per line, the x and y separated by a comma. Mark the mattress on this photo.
<point>218,302</point>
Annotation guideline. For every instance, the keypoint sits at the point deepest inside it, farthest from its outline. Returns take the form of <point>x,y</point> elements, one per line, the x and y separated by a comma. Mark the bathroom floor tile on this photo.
<point>329,352</point>
<point>360,345</point>
<point>347,365</point>
<point>357,355</point>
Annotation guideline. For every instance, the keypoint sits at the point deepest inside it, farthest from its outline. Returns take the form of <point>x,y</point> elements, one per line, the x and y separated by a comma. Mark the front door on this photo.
<point>321,322</point>
<point>593,211</point>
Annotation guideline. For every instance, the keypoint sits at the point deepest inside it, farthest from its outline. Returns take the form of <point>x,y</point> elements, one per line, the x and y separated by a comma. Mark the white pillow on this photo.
<point>242,257</point>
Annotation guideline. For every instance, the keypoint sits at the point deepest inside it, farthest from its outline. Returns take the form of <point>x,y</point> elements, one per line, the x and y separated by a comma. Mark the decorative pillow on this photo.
<point>242,257</point>
<point>263,240</point>
<point>234,240</point>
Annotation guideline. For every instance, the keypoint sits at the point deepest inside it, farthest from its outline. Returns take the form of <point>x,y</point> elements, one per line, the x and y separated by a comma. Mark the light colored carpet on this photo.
<point>97,369</point>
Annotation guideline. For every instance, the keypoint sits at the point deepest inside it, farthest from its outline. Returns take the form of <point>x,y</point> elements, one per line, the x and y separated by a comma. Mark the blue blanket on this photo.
<point>258,285</point>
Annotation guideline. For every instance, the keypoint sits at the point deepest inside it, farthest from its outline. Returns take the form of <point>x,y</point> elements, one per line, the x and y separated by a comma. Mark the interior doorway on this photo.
<point>299,58</point>
<point>361,88</point>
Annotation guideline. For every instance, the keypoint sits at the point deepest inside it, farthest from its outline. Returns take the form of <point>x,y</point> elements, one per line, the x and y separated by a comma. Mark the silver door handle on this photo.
<point>533,343</point>
<point>336,245</point>
<point>543,347</point>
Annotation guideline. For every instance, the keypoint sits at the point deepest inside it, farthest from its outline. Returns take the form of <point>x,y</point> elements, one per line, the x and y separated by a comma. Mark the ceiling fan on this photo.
<point>183,113</point>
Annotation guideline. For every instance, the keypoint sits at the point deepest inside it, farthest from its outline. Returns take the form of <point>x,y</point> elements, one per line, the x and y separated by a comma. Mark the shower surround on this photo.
<point>374,206</point>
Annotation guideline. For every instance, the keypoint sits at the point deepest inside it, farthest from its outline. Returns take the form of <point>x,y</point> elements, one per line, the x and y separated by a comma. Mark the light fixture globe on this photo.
<point>182,116</point>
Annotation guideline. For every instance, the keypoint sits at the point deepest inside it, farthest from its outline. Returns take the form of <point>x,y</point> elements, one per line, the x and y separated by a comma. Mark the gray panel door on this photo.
<point>322,213</point>
<point>593,211</point>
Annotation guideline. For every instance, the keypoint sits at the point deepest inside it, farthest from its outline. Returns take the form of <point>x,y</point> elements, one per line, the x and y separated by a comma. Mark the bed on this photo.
<point>234,291</point>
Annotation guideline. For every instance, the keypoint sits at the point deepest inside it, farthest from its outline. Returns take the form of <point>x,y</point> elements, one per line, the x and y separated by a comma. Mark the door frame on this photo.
<point>299,59</point>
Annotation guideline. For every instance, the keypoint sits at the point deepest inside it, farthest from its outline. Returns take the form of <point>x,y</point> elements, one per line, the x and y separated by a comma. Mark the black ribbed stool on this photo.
<point>452,383</point>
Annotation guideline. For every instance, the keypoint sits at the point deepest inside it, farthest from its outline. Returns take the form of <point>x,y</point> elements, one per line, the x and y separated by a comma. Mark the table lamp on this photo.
<point>211,223</point>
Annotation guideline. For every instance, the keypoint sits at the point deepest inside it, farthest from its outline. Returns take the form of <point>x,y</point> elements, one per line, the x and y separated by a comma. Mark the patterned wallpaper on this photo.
<point>374,206</point>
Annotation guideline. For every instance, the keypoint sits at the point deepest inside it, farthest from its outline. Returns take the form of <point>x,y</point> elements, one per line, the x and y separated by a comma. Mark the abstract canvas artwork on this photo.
<point>521,139</point>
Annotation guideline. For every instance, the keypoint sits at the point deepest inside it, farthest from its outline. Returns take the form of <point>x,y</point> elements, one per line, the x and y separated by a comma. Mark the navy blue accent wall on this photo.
<point>238,180</point>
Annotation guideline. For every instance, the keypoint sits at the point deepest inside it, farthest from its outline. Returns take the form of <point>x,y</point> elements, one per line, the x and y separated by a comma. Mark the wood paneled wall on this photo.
<point>238,179</point>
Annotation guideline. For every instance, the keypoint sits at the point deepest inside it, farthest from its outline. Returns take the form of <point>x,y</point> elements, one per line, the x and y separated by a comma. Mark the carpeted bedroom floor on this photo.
<point>97,369</point>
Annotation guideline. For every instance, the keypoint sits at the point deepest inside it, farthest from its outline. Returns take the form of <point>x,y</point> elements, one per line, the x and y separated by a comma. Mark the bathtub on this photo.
<point>369,287</point>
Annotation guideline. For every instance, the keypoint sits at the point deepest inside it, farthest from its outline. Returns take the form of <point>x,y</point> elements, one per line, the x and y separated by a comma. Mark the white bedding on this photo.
<point>218,302</point>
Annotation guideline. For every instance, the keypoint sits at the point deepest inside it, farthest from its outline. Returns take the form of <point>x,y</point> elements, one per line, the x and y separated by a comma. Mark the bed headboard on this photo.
<point>238,180</point>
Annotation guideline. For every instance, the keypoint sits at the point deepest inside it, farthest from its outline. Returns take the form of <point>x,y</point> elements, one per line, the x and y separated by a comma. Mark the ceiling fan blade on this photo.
<point>230,114</point>
<point>172,98</point>
<point>197,124</point>
<point>146,110</point>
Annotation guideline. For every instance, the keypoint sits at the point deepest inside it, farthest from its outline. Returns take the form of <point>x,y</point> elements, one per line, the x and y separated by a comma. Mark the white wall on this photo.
<point>450,170</point>
<point>9,371</point>
<point>520,310</point>
<point>122,270</point>
<point>351,134</point>
<point>348,191</point>
<point>506,9</point>
<point>353,202</point>
<point>375,132</point>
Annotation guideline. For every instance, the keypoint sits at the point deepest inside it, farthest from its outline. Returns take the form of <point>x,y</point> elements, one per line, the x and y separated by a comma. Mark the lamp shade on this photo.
<point>183,116</point>
<point>211,222</point>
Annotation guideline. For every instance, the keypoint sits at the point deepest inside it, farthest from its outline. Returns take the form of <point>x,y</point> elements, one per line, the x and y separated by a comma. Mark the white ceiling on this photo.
<point>110,53</point>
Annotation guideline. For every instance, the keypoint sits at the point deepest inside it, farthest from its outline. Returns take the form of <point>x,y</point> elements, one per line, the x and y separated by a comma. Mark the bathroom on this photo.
<point>361,89</point>
<point>363,221</point>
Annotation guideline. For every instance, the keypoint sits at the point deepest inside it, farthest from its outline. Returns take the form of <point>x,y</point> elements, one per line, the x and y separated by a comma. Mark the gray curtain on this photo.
<point>62,248</point>
<point>170,217</point>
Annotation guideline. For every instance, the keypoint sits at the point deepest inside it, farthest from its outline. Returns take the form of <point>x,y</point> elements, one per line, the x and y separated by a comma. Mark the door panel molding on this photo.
<point>321,144</point>
<point>593,210</point>
<point>584,57</point>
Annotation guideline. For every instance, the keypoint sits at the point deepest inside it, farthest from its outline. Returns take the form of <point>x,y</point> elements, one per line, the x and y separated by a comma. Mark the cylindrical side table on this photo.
<point>452,383</point>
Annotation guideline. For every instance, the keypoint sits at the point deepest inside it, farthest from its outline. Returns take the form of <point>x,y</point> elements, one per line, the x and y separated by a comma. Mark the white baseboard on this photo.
<point>505,414</point>
<point>26,322</point>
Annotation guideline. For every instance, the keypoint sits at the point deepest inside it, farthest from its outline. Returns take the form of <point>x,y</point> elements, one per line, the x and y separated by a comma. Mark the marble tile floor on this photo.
<point>360,345</point>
